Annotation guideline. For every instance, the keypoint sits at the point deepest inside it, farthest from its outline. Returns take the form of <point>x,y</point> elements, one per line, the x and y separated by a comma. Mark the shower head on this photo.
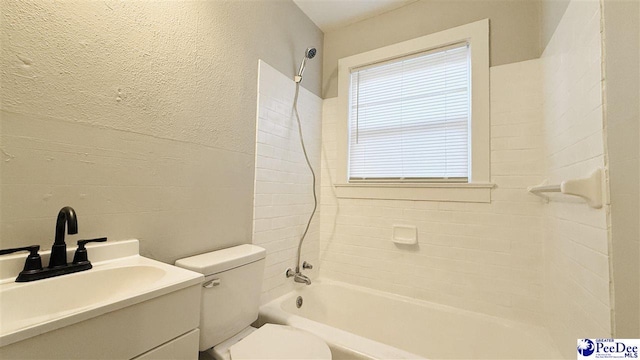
<point>310,53</point>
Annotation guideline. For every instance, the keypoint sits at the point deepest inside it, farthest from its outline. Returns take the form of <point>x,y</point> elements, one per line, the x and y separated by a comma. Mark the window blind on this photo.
<point>409,118</point>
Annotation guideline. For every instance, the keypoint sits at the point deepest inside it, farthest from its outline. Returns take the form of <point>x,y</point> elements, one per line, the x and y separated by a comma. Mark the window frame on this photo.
<point>478,186</point>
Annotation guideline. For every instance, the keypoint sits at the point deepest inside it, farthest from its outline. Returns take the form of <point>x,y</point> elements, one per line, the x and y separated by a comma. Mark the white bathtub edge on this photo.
<point>337,339</point>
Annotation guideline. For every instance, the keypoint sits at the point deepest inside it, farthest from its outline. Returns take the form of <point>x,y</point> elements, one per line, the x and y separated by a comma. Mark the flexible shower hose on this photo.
<point>313,174</point>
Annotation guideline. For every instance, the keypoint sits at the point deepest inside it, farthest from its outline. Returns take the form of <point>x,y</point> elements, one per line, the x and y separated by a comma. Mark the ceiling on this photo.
<point>332,14</point>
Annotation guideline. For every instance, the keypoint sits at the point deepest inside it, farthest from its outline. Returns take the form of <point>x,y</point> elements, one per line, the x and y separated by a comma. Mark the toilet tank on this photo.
<point>230,292</point>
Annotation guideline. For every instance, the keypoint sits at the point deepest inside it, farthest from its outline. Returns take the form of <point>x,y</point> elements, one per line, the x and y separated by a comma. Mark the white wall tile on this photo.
<point>482,257</point>
<point>576,260</point>
<point>516,257</point>
<point>283,199</point>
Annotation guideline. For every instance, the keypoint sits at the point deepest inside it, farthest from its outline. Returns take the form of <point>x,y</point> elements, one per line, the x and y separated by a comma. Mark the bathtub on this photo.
<point>361,323</point>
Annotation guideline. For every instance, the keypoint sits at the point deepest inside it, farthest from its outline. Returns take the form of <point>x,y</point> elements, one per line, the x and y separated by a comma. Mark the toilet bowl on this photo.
<point>230,304</point>
<point>272,342</point>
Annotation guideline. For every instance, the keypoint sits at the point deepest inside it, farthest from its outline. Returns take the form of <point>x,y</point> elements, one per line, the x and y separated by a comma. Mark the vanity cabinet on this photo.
<point>162,327</point>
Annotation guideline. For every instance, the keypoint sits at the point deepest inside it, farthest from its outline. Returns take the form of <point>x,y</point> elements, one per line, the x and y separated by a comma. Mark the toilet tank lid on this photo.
<point>222,260</point>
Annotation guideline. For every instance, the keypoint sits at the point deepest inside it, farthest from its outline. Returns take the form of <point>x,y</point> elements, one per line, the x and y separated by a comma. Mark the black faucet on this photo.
<point>58,262</point>
<point>66,216</point>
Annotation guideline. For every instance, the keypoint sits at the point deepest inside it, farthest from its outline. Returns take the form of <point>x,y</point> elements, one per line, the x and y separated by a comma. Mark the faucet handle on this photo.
<point>82,243</point>
<point>290,273</point>
<point>81,251</point>
<point>33,261</point>
<point>306,265</point>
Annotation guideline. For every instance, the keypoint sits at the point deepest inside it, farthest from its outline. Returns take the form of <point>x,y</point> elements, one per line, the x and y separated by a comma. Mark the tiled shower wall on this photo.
<point>518,257</point>
<point>476,256</point>
<point>576,257</point>
<point>283,199</point>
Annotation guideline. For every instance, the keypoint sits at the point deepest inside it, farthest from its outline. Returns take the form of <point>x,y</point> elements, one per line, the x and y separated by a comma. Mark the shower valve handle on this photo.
<point>290,273</point>
<point>306,265</point>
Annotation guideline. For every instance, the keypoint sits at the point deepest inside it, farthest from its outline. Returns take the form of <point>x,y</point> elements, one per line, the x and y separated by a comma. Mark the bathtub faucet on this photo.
<point>298,276</point>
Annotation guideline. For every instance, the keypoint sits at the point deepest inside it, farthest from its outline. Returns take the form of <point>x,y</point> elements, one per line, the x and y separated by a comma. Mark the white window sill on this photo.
<point>455,192</point>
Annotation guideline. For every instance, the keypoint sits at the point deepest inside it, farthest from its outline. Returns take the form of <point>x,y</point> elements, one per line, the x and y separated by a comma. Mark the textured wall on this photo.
<point>515,31</point>
<point>283,200</point>
<point>481,257</point>
<point>141,115</point>
<point>576,243</point>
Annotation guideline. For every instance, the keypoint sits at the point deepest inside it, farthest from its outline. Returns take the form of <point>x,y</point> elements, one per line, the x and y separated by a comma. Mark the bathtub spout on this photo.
<point>298,277</point>
<point>302,278</point>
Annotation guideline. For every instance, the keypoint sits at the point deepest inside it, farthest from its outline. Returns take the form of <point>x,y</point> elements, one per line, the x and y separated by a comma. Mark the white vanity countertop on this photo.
<point>120,277</point>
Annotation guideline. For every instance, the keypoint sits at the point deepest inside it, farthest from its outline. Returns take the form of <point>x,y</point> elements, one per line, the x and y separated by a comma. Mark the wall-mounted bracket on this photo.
<point>589,188</point>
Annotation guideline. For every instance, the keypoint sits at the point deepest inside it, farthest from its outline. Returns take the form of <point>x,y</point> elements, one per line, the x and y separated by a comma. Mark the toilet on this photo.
<point>230,303</point>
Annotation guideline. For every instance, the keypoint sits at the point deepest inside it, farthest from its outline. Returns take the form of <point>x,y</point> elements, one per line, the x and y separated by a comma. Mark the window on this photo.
<point>409,118</point>
<point>414,119</point>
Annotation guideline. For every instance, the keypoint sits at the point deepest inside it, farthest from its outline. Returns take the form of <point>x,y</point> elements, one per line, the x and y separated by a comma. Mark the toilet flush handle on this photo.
<point>212,283</point>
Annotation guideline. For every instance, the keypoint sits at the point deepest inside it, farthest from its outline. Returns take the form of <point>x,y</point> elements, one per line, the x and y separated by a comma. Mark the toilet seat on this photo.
<point>277,342</point>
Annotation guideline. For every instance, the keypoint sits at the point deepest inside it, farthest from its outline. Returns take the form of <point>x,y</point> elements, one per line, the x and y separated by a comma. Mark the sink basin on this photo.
<point>30,309</point>
<point>43,300</point>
